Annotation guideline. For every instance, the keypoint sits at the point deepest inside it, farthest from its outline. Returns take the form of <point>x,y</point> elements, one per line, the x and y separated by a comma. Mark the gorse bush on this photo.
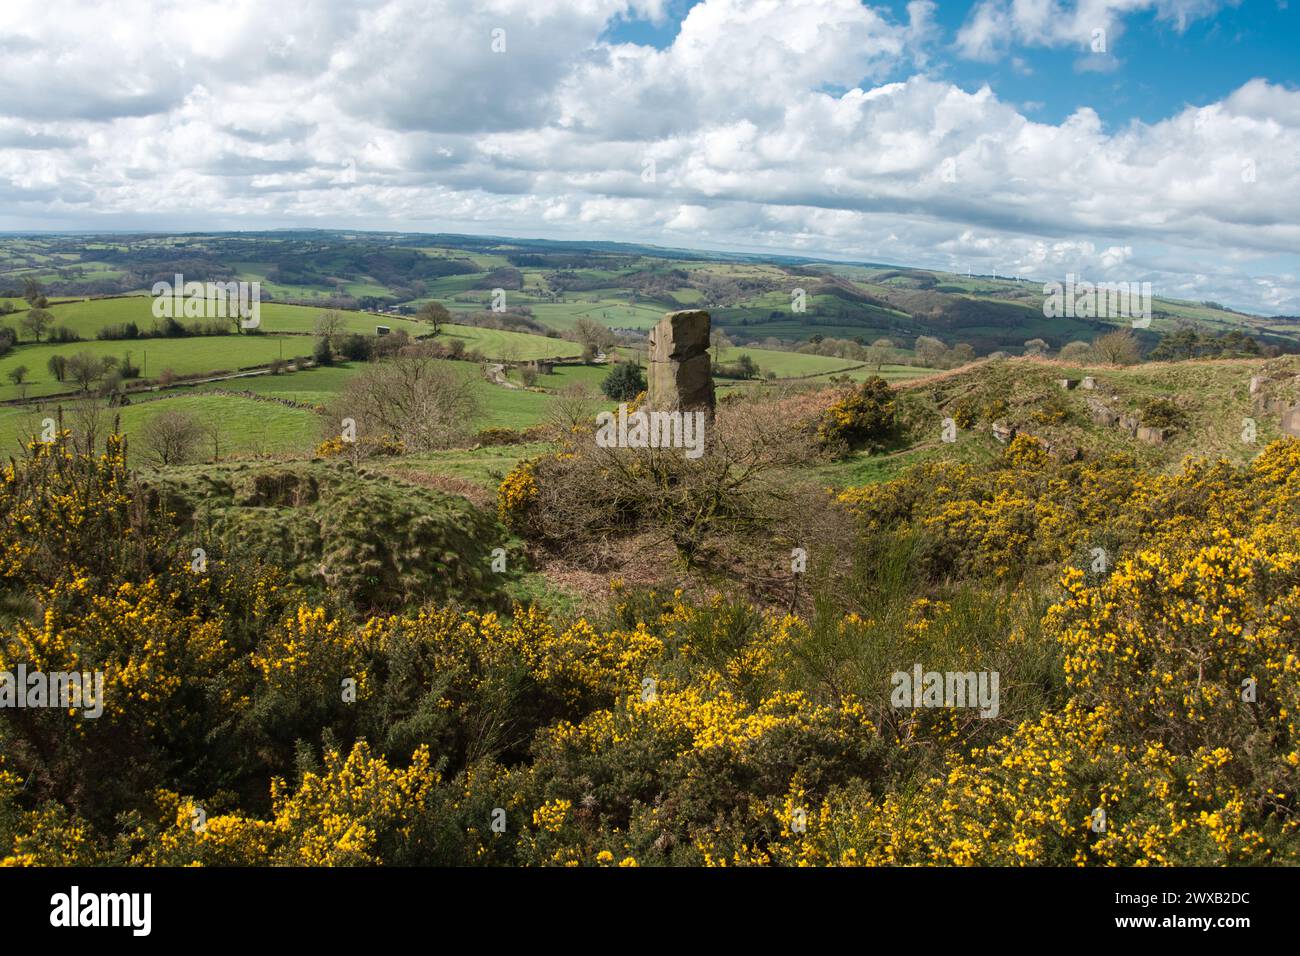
<point>864,418</point>
<point>1159,695</point>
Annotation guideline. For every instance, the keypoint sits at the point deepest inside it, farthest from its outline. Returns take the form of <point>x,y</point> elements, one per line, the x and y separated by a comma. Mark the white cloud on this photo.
<point>994,25</point>
<point>769,124</point>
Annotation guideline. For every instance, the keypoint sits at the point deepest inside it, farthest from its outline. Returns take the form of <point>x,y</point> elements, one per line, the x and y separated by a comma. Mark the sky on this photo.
<point>1118,140</point>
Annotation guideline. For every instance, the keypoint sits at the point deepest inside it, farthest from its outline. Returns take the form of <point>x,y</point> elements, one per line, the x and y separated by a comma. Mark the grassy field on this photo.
<point>498,406</point>
<point>191,356</point>
<point>242,425</point>
<point>247,425</point>
<point>509,346</point>
<point>784,364</point>
<point>87,317</point>
<point>612,312</point>
<point>565,376</point>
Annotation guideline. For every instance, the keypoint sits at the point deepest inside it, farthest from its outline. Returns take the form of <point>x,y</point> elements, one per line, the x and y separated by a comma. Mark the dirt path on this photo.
<point>496,374</point>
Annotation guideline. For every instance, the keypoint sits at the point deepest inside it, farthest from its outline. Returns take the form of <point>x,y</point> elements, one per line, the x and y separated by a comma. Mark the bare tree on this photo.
<point>36,322</point>
<point>1117,348</point>
<point>212,429</point>
<point>930,351</point>
<point>86,368</point>
<point>171,438</point>
<point>573,407</point>
<point>593,337</point>
<point>1075,352</point>
<point>329,325</point>
<point>422,402</point>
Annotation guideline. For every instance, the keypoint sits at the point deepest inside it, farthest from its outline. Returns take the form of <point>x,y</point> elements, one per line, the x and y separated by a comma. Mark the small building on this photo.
<point>382,330</point>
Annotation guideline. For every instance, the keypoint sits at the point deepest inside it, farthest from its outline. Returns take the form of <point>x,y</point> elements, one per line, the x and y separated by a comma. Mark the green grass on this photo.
<point>312,386</point>
<point>498,406</point>
<point>244,425</point>
<point>191,356</point>
<point>890,373</point>
<point>784,364</point>
<point>565,376</point>
<point>482,466</point>
<point>512,346</point>
<point>611,312</point>
<point>87,317</point>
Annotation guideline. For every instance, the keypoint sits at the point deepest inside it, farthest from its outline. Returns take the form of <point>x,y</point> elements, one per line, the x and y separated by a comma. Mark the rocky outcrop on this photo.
<point>1101,413</point>
<point>1291,422</point>
<point>680,376</point>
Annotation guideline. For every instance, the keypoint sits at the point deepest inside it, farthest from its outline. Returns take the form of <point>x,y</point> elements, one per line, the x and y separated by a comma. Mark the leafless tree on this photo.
<point>422,402</point>
<point>329,325</point>
<point>171,438</point>
<point>86,368</point>
<point>1117,348</point>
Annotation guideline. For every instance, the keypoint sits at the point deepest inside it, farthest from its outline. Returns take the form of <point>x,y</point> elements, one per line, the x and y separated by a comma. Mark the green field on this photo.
<point>191,356</point>
<point>87,317</point>
<point>785,364</point>
<point>565,376</point>
<point>614,313</point>
<point>509,346</point>
<point>243,425</point>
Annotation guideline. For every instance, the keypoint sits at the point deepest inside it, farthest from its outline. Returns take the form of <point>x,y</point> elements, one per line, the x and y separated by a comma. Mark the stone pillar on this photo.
<point>680,377</point>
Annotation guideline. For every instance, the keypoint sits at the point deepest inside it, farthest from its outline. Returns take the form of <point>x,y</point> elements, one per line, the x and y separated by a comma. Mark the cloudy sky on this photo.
<point>1116,139</point>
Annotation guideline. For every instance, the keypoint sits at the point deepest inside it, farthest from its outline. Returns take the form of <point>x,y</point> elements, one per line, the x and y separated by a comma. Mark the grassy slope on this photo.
<point>1213,395</point>
<point>190,356</point>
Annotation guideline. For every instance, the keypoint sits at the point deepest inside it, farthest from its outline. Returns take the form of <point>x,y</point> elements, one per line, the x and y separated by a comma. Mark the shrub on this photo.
<point>863,418</point>
<point>322,354</point>
<point>624,382</point>
<point>128,330</point>
<point>355,347</point>
<point>1163,413</point>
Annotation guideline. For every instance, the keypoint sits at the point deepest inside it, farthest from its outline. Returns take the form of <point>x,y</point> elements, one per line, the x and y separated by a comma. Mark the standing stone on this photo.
<point>1089,382</point>
<point>680,374</point>
<point>1291,422</point>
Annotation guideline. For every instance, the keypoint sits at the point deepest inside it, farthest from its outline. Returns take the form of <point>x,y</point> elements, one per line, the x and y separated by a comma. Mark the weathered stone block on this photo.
<point>1102,413</point>
<point>680,376</point>
<point>1291,421</point>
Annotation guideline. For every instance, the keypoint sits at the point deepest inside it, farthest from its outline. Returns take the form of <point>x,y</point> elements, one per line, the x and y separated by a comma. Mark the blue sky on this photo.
<point>1160,69</point>
<point>983,135</point>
